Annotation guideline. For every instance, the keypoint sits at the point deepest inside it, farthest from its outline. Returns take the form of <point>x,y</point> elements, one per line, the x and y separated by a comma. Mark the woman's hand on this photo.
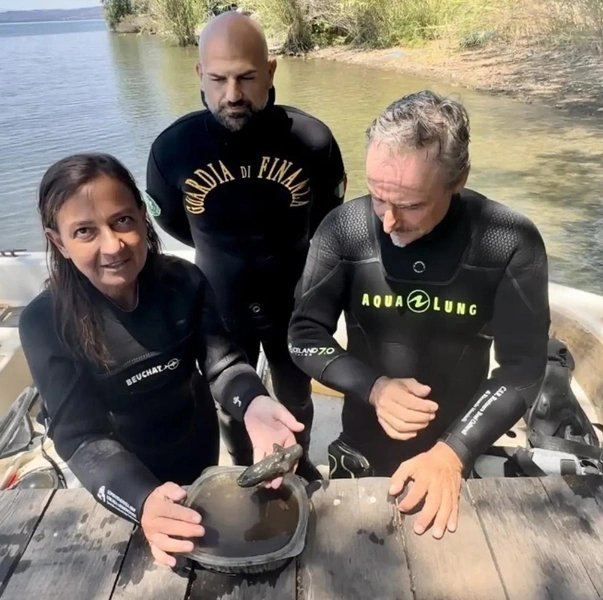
<point>162,518</point>
<point>268,422</point>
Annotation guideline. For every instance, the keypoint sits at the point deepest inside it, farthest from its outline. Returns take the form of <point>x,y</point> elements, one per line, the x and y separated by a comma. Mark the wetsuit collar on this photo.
<point>261,121</point>
<point>440,229</point>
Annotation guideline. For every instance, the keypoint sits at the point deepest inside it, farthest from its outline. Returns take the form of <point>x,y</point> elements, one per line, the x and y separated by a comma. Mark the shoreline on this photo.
<point>556,76</point>
<point>532,74</point>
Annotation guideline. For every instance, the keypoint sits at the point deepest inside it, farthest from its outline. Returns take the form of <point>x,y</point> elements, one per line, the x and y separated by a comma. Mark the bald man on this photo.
<point>246,183</point>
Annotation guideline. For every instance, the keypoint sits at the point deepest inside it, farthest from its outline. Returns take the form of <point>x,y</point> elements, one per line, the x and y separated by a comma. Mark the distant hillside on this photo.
<point>74,14</point>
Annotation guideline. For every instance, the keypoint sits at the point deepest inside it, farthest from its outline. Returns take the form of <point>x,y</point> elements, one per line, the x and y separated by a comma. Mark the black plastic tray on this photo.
<point>261,563</point>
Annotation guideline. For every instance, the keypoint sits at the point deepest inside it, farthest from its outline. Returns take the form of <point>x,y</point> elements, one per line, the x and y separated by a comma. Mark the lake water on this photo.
<point>73,86</point>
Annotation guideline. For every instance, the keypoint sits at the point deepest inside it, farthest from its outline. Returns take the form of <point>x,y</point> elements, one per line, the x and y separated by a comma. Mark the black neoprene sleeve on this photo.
<point>168,200</point>
<point>319,297</point>
<point>233,381</point>
<point>520,327</point>
<point>79,425</point>
<point>328,185</point>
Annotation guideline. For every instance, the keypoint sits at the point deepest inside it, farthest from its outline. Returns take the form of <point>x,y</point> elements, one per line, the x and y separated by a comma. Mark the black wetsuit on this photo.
<point>248,202</point>
<point>429,310</point>
<point>149,417</point>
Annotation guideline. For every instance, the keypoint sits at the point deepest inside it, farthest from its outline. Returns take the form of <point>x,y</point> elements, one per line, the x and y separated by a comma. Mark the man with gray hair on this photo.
<point>428,275</point>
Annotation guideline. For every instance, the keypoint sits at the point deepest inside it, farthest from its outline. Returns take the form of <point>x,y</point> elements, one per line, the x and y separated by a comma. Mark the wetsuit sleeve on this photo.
<point>520,327</point>
<point>318,306</point>
<point>165,202</point>
<point>329,185</point>
<point>234,383</point>
<point>79,425</point>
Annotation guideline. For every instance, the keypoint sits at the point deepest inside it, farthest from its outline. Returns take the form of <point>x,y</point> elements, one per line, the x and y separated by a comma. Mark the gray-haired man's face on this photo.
<point>408,190</point>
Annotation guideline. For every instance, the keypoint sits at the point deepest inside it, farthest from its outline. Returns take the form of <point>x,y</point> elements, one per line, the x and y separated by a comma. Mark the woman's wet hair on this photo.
<point>78,316</point>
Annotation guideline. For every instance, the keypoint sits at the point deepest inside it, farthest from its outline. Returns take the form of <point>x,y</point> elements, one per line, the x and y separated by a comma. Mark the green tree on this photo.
<point>116,11</point>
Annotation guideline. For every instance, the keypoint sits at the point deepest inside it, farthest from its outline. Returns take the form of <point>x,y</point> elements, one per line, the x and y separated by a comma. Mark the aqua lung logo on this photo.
<point>169,366</point>
<point>419,301</point>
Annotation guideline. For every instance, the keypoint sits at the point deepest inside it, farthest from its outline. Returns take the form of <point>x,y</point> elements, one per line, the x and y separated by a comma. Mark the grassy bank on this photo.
<point>548,51</point>
<point>298,26</point>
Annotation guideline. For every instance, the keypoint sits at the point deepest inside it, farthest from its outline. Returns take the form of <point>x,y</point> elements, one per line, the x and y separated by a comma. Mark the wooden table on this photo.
<point>518,539</point>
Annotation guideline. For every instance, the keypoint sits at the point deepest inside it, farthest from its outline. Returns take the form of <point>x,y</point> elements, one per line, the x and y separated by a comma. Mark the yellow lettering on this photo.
<point>436,303</point>
<point>226,173</point>
<point>196,185</point>
<point>299,186</point>
<point>278,176</point>
<point>460,308</point>
<point>289,181</point>
<point>195,203</point>
<point>295,191</point>
<point>264,166</point>
<point>448,306</point>
<point>376,301</point>
<point>473,310</point>
<point>201,174</point>
<point>399,302</point>
<point>365,300</point>
<point>271,174</point>
<point>389,300</point>
<point>211,166</point>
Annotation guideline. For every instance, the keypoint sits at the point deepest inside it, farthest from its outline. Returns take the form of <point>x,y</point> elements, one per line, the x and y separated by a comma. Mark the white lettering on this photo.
<point>311,351</point>
<point>119,504</point>
<point>492,398</point>
<point>171,365</point>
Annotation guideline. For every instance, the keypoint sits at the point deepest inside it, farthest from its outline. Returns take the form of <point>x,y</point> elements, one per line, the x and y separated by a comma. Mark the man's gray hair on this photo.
<point>426,120</point>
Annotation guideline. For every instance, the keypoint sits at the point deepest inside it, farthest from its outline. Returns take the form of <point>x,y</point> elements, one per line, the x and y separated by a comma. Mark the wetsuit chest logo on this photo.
<point>216,174</point>
<point>419,301</point>
<point>171,365</point>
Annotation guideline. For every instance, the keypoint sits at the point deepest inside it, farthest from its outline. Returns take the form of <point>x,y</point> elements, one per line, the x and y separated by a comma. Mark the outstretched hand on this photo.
<point>437,477</point>
<point>268,422</point>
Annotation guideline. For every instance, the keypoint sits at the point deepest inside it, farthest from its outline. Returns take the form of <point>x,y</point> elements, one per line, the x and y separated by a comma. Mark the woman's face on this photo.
<point>103,231</point>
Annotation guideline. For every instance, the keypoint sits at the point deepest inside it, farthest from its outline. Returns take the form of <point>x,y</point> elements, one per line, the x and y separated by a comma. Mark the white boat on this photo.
<point>577,320</point>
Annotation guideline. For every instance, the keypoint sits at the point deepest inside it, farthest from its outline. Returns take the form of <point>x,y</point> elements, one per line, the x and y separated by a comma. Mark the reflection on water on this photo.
<point>243,522</point>
<point>84,89</point>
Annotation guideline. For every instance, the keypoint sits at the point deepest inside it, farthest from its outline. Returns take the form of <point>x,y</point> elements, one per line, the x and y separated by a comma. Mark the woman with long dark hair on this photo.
<point>112,344</point>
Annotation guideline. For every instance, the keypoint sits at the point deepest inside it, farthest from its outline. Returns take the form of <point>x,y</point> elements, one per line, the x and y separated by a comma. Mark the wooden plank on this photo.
<point>580,520</point>
<point>354,548</point>
<point>141,578</point>
<point>462,560</point>
<point>20,512</point>
<point>531,552</point>
<point>271,586</point>
<point>595,485</point>
<point>76,552</point>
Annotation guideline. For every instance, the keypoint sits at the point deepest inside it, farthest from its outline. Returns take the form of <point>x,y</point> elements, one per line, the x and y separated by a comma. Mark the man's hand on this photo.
<point>268,422</point>
<point>401,407</point>
<point>163,518</point>
<point>437,475</point>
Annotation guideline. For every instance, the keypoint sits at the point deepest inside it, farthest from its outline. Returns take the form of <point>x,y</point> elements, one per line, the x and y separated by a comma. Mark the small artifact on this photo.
<point>275,465</point>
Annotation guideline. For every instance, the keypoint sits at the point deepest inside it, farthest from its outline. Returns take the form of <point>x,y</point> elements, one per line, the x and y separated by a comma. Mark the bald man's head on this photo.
<point>234,67</point>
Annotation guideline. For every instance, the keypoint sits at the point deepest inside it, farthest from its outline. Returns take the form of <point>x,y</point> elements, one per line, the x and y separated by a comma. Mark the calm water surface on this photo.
<point>73,86</point>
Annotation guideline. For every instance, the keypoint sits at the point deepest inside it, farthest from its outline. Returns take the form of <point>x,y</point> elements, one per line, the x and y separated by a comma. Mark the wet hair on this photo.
<point>426,120</point>
<point>77,316</point>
